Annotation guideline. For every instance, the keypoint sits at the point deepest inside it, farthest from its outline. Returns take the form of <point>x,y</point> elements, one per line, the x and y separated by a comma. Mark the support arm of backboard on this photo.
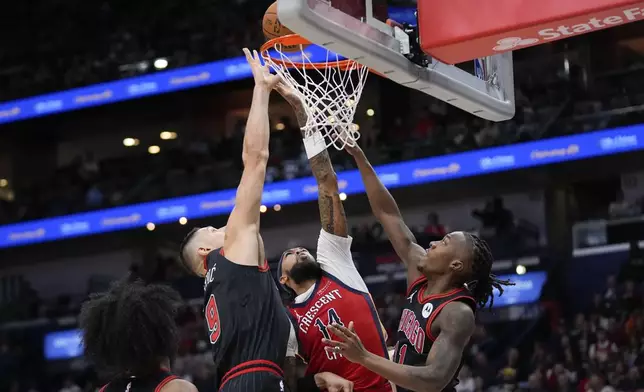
<point>338,32</point>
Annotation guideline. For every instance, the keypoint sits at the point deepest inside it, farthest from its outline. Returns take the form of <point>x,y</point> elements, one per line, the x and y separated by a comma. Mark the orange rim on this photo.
<point>298,40</point>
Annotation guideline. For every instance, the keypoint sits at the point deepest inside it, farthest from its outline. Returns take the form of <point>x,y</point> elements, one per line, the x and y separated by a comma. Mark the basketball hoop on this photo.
<point>328,84</point>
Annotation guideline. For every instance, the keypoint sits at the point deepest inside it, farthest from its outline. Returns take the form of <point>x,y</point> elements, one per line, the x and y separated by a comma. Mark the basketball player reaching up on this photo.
<point>129,332</point>
<point>329,289</point>
<point>446,282</point>
<point>249,328</point>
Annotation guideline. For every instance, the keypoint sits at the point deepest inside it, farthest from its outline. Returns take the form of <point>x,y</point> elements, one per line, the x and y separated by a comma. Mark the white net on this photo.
<point>330,93</point>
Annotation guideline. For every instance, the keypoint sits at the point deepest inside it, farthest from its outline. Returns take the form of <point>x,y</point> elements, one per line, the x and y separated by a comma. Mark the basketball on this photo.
<point>273,28</point>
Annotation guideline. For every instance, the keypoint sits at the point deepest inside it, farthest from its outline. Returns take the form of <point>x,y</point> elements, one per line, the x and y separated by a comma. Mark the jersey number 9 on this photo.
<point>212,319</point>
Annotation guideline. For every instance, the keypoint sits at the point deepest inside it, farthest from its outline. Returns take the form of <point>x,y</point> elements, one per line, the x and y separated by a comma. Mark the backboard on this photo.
<point>450,32</point>
<point>356,29</point>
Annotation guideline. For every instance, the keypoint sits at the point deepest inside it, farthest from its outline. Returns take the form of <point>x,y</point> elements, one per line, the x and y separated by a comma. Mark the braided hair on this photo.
<point>483,282</point>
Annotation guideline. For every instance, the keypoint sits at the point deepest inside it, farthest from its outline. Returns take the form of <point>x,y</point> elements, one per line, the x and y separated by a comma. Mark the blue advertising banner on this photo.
<point>158,83</point>
<point>526,290</point>
<point>63,345</point>
<point>442,168</point>
<point>126,89</point>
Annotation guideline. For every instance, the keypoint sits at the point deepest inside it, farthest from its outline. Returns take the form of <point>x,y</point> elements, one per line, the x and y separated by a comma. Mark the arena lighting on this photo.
<point>277,207</point>
<point>518,156</point>
<point>150,226</point>
<point>183,220</point>
<point>262,209</point>
<point>3,182</point>
<point>280,126</point>
<point>370,112</point>
<point>521,270</point>
<point>160,63</point>
<point>343,196</point>
<point>166,135</point>
<point>154,149</point>
<point>130,142</point>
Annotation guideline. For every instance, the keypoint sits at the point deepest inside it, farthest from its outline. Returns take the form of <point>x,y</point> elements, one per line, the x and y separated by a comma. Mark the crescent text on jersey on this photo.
<point>305,321</point>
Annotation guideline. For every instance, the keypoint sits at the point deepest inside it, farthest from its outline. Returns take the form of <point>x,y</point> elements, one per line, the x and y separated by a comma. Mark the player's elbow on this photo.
<point>327,180</point>
<point>255,157</point>
<point>433,380</point>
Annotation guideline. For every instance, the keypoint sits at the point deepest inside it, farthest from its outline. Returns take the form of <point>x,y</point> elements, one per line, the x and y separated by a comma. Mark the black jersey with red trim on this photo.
<point>415,337</point>
<point>151,383</point>
<point>247,324</point>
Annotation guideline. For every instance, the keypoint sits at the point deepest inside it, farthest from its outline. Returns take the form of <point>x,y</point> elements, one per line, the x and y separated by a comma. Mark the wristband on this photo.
<point>314,144</point>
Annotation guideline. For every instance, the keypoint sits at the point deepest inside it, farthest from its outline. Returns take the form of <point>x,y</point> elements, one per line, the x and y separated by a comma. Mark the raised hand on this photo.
<point>353,150</point>
<point>333,383</point>
<point>261,73</point>
<point>289,94</point>
<point>349,345</point>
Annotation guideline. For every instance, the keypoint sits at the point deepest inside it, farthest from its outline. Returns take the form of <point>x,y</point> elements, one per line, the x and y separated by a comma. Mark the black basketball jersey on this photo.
<point>151,383</point>
<point>415,337</point>
<point>247,324</point>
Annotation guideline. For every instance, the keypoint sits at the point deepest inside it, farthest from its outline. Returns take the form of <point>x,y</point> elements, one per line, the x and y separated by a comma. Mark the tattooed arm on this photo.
<point>456,325</point>
<point>332,216</point>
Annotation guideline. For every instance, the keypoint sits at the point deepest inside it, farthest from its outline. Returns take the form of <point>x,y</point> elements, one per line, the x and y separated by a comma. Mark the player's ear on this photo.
<point>456,265</point>
<point>283,279</point>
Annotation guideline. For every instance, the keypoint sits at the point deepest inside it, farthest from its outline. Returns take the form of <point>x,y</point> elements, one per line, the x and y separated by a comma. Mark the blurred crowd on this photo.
<point>110,40</point>
<point>115,39</point>
<point>598,350</point>
<point>195,165</point>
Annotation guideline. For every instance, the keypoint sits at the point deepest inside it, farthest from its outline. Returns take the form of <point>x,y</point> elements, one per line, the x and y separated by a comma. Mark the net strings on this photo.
<point>331,102</point>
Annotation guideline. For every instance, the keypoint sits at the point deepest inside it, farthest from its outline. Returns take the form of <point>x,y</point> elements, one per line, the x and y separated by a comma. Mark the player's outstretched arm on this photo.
<point>241,244</point>
<point>456,323</point>
<point>332,216</point>
<point>386,210</point>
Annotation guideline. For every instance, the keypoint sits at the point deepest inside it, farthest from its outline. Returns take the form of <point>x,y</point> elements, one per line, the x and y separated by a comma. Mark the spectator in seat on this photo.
<point>466,380</point>
<point>629,298</point>
<point>621,208</point>
<point>560,378</point>
<point>603,349</point>
<point>434,228</point>
<point>482,369</point>
<point>482,342</point>
<point>632,382</point>
<point>535,383</point>
<point>495,216</point>
<point>597,383</point>
<point>508,373</point>
<point>70,386</point>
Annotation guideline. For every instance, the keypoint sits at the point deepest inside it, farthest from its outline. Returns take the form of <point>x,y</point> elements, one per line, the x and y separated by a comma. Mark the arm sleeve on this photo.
<point>334,256</point>
<point>291,348</point>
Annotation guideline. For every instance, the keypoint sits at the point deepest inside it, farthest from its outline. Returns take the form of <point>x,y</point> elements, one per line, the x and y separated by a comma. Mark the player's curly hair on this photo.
<point>483,281</point>
<point>131,328</point>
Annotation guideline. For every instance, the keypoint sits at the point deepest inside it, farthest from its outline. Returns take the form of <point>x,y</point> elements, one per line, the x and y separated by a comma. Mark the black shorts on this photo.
<point>254,376</point>
<point>255,382</point>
